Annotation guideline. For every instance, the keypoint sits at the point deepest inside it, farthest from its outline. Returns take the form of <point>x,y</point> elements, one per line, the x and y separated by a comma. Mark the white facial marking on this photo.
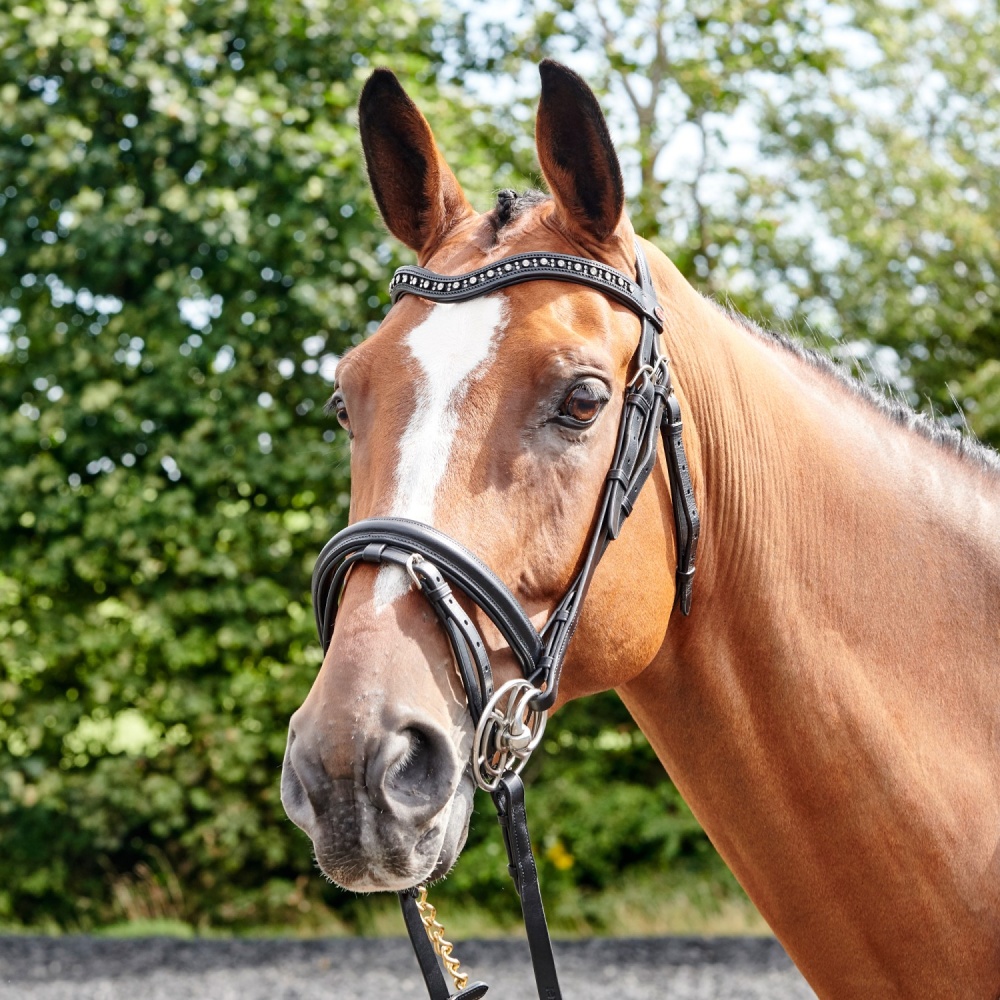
<point>450,345</point>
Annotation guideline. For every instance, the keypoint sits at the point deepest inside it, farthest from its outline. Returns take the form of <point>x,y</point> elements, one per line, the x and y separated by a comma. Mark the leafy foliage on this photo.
<point>187,241</point>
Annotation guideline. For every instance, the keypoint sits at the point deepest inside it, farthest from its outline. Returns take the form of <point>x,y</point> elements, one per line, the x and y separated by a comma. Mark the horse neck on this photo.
<point>838,676</point>
<point>822,514</point>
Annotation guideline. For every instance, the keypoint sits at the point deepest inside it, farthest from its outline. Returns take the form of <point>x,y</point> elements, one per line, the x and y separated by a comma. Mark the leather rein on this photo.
<point>510,721</point>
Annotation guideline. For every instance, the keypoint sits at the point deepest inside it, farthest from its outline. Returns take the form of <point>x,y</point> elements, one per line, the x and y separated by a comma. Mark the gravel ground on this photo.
<point>81,968</point>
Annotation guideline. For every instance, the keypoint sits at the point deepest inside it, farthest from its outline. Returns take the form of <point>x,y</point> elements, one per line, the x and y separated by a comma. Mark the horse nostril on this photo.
<point>414,769</point>
<point>294,794</point>
<point>414,774</point>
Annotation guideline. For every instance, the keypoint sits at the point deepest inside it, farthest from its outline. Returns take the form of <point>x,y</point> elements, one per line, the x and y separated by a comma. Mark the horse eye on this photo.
<point>340,409</point>
<point>582,404</point>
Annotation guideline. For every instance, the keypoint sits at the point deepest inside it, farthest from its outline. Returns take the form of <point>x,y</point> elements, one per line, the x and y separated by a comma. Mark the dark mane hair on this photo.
<point>934,429</point>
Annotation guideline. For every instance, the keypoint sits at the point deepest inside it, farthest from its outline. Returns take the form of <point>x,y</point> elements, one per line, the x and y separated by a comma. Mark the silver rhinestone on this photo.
<point>440,285</point>
<point>473,280</point>
<point>560,262</point>
<point>508,267</point>
<point>545,260</point>
<point>593,270</point>
<point>517,263</point>
<point>490,273</point>
<point>576,267</point>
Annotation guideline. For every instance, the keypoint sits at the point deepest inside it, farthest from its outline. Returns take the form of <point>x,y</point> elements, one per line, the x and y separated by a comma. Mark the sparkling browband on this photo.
<point>525,267</point>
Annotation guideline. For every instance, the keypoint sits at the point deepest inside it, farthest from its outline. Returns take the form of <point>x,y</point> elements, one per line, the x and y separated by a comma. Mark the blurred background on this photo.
<point>186,243</point>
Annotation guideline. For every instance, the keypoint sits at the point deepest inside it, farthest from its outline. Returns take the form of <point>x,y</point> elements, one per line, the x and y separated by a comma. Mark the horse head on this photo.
<point>493,420</point>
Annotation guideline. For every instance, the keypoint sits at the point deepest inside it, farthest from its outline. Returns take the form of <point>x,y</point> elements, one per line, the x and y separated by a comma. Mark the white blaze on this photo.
<point>450,345</point>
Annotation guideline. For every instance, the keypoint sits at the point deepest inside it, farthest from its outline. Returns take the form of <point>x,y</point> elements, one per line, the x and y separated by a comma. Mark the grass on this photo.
<point>697,897</point>
<point>647,905</point>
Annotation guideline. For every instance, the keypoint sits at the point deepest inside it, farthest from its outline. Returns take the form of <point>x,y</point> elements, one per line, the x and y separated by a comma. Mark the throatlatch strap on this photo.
<point>687,523</point>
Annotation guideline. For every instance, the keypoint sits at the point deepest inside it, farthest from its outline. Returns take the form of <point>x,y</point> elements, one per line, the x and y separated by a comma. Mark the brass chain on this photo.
<point>435,931</point>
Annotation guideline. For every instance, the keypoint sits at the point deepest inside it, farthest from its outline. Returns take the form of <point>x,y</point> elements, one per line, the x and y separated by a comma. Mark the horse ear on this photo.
<point>576,154</point>
<point>416,192</point>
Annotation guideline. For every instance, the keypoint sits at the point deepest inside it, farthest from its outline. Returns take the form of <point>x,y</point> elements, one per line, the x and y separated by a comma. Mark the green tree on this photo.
<point>186,243</point>
<point>901,165</point>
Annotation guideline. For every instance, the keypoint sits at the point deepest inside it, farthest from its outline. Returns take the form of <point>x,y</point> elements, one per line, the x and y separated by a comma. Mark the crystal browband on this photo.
<point>526,267</point>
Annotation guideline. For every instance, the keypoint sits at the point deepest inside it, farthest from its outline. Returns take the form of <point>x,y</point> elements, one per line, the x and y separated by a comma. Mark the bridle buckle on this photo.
<point>411,564</point>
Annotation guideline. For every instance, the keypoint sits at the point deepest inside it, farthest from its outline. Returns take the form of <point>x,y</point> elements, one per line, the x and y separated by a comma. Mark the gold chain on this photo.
<point>435,931</point>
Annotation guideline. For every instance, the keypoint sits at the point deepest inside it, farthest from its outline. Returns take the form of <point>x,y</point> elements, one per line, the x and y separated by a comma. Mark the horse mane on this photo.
<point>937,430</point>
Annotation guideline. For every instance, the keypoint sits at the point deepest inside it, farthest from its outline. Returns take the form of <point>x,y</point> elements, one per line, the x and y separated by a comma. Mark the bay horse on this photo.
<point>830,709</point>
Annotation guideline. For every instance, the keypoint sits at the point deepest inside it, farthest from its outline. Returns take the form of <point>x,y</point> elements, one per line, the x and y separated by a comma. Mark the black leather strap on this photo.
<point>687,523</point>
<point>458,565</point>
<point>509,802</point>
<point>639,431</point>
<point>430,967</point>
<point>466,642</point>
<point>527,267</point>
<point>649,409</point>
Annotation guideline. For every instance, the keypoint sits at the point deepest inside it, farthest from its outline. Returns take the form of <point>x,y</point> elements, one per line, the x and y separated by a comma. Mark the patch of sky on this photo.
<point>198,311</point>
<point>171,468</point>
<point>707,161</point>
<point>224,360</point>
<point>314,344</point>
<point>47,87</point>
<point>328,367</point>
<point>8,317</point>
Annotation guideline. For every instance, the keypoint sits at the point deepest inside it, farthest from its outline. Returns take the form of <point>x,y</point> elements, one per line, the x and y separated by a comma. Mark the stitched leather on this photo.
<point>686,520</point>
<point>430,967</point>
<point>457,563</point>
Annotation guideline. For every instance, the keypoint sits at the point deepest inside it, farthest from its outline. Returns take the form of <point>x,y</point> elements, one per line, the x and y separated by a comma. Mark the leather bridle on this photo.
<point>510,721</point>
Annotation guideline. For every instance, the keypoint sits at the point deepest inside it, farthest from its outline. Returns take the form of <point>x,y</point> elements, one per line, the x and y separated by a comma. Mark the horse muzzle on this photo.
<point>387,813</point>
